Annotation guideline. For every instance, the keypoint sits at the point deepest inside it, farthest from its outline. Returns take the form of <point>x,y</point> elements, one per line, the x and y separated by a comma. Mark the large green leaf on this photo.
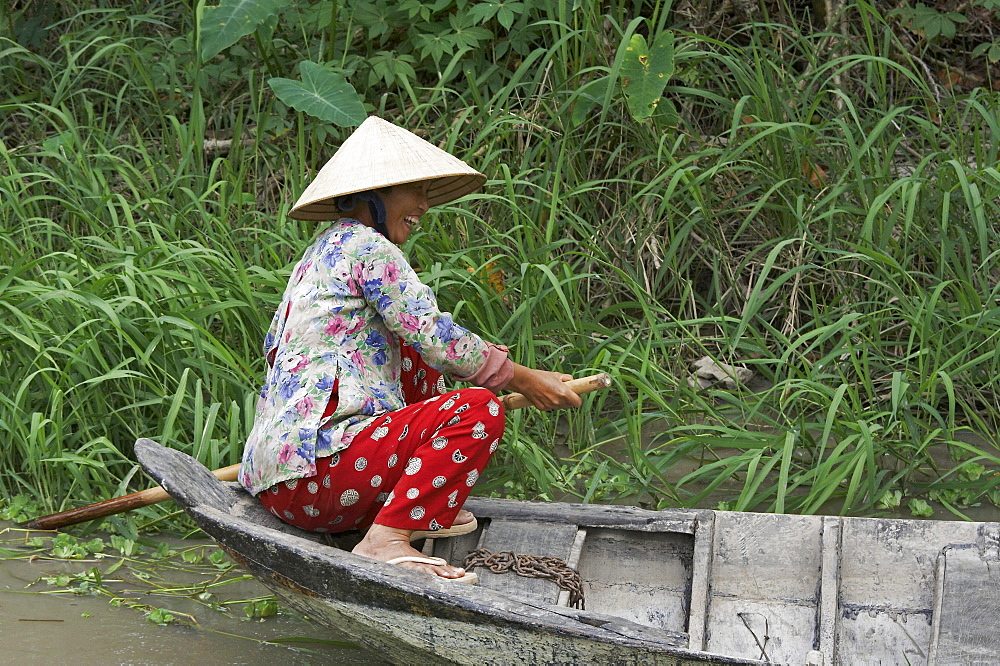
<point>224,25</point>
<point>322,94</point>
<point>645,72</point>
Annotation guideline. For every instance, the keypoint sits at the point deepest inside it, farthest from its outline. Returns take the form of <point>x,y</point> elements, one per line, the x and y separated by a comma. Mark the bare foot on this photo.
<point>387,543</point>
<point>463,517</point>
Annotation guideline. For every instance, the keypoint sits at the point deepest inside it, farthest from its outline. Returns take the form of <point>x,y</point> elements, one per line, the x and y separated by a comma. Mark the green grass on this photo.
<point>818,211</point>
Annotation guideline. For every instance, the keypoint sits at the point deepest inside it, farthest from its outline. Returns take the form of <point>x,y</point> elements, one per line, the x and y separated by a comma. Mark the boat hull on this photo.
<point>661,587</point>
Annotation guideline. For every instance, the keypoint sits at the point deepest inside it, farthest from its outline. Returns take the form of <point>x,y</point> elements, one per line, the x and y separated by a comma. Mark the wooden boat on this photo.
<point>660,587</point>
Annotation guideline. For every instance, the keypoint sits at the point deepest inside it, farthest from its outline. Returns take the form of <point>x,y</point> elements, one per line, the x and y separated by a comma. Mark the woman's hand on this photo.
<point>545,390</point>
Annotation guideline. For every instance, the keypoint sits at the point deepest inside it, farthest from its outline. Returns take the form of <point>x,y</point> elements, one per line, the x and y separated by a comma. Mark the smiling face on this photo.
<point>404,204</point>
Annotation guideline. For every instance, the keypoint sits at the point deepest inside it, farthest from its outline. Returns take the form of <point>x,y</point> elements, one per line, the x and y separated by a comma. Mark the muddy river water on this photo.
<point>42,623</point>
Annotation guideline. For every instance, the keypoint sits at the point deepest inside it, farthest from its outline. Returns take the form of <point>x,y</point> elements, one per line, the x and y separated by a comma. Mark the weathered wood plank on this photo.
<point>829,593</point>
<point>573,561</point>
<point>526,538</point>
<point>189,484</point>
<point>967,617</point>
<point>644,577</point>
<point>887,584</point>
<point>588,515</point>
<point>701,575</point>
<point>765,584</point>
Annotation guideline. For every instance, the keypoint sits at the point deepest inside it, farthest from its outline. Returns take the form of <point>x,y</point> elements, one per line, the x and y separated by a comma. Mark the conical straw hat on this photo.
<point>379,154</point>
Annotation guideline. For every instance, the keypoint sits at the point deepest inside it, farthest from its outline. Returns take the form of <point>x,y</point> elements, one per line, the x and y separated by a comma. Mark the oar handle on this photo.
<point>115,505</point>
<point>578,386</point>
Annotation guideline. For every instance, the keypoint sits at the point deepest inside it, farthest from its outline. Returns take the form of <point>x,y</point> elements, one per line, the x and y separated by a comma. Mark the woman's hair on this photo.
<point>375,206</point>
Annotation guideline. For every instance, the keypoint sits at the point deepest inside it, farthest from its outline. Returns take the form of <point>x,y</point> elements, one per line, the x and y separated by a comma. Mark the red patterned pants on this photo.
<point>410,469</point>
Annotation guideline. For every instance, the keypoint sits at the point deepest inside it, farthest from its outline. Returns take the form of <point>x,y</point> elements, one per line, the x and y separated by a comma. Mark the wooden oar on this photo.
<point>115,505</point>
<point>156,495</point>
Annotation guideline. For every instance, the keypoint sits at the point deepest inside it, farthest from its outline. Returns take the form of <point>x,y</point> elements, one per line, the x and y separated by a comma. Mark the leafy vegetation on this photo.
<point>810,197</point>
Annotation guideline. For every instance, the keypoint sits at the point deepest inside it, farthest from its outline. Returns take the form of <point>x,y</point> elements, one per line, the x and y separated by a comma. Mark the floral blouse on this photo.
<point>349,297</point>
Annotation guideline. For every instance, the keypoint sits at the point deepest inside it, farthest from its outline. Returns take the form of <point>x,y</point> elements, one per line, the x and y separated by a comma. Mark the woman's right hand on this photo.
<point>544,389</point>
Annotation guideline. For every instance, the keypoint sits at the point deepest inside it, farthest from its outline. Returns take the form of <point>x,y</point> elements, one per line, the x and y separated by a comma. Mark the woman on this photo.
<point>354,428</point>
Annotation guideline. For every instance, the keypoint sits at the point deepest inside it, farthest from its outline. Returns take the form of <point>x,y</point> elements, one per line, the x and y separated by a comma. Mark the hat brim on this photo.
<point>380,154</point>
<point>443,189</point>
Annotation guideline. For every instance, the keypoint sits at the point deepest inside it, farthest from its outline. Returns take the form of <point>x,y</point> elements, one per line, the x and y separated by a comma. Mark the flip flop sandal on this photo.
<point>454,530</point>
<point>470,577</point>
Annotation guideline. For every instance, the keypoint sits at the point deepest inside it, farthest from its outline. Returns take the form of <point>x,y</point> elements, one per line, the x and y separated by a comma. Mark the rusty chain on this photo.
<point>531,566</point>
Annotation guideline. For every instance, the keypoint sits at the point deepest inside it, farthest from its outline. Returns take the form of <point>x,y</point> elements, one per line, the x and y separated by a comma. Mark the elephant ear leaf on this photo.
<point>645,71</point>
<point>322,94</point>
<point>224,25</point>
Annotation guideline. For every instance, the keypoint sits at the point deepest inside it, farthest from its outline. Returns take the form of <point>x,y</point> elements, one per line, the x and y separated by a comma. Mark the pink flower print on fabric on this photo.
<point>301,270</point>
<point>458,349</point>
<point>391,272</point>
<point>335,326</point>
<point>286,453</point>
<point>305,405</point>
<point>410,323</point>
<point>357,358</point>
<point>358,272</point>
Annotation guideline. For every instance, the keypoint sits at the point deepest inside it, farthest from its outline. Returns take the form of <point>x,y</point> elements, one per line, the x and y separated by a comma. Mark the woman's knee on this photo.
<point>480,398</point>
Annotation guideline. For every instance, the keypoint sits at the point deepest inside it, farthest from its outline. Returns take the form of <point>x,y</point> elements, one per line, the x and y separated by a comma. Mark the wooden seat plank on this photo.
<point>526,538</point>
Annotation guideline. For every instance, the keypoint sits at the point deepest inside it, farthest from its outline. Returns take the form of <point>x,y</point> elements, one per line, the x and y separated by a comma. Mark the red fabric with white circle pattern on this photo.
<point>410,469</point>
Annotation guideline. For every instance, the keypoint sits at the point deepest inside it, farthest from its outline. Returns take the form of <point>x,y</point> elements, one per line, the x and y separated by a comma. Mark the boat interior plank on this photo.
<point>573,561</point>
<point>966,625</point>
<point>526,538</point>
<point>701,568</point>
<point>644,577</point>
<point>829,594</point>
<point>765,585</point>
<point>887,587</point>
<point>589,515</point>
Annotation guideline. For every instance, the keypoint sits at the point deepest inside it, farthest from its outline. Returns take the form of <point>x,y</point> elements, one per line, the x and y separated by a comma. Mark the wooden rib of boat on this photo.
<point>661,587</point>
